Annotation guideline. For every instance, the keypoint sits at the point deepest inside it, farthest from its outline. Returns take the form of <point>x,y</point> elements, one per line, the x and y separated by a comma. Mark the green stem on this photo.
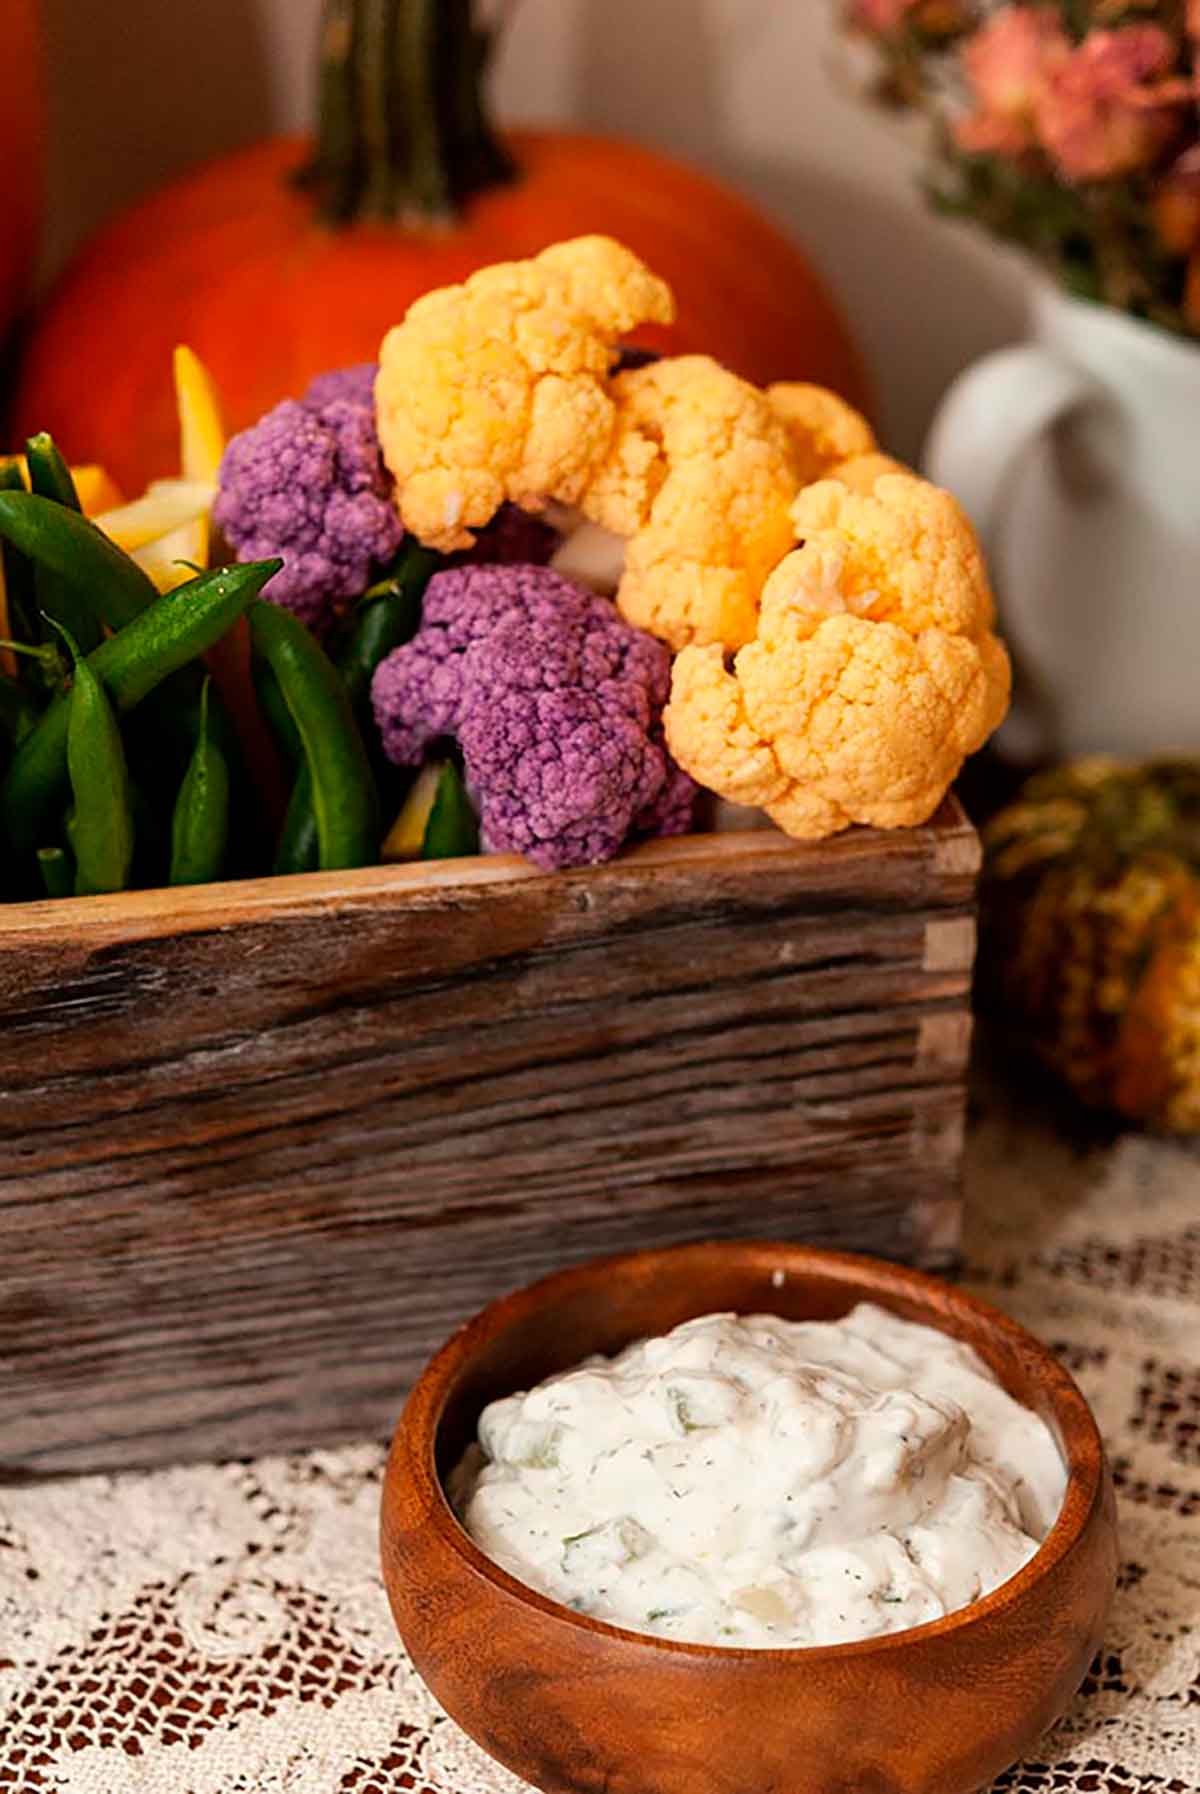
<point>403,130</point>
<point>378,27</point>
<point>336,167</point>
<point>420,108</point>
<point>47,655</point>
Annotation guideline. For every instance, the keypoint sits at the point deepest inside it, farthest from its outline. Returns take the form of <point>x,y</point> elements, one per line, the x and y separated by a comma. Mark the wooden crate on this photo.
<point>262,1145</point>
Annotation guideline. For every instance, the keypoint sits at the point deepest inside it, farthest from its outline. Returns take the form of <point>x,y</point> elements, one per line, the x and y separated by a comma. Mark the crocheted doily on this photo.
<point>222,1629</point>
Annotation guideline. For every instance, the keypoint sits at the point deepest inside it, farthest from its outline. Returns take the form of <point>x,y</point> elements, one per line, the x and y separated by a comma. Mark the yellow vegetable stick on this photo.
<point>406,834</point>
<point>97,490</point>
<point>201,445</point>
<point>169,561</point>
<point>162,558</point>
<point>163,508</point>
<point>201,431</point>
<point>95,487</point>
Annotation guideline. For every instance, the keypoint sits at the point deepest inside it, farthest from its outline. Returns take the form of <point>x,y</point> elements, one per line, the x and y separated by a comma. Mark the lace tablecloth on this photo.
<point>223,1629</point>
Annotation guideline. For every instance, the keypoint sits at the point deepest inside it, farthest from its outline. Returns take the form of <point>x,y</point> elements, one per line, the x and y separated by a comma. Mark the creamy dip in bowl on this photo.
<point>575,1702</point>
<point>750,1481</point>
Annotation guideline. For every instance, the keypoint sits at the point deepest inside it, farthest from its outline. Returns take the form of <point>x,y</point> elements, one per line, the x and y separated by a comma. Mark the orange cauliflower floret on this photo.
<point>873,674</point>
<point>823,428</point>
<point>861,472</point>
<point>498,389</point>
<point>699,477</point>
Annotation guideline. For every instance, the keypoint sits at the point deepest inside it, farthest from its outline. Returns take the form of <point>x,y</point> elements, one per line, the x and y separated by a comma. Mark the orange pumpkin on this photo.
<point>232,260</point>
<point>20,151</point>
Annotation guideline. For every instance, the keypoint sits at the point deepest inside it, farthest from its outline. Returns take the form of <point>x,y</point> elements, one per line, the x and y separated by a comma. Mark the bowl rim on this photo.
<point>1080,1442</point>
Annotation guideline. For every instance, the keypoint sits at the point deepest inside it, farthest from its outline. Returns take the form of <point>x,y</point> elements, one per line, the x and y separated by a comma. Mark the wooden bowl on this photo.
<point>577,1706</point>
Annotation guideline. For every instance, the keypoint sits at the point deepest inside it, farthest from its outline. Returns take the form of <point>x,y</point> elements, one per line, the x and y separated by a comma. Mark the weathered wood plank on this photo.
<point>265,1346</point>
<point>262,1145</point>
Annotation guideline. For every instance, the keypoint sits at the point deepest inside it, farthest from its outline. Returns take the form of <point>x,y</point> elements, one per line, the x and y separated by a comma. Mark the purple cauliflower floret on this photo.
<point>308,482</point>
<point>556,703</point>
<point>672,810</point>
<point>357,384</point>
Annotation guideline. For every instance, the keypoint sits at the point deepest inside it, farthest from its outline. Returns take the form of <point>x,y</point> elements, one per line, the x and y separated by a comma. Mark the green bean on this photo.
<point>102,835</point>
<point>49,474</point>
<point>107,580</point>
<point>384,618</point>
<point>149,862</point>
<point>57,867</point>
<point>176,627</point>
<point>298,848</point>
<point>452,831</point>
<point>18,573</point>
<point>273,705</point>
<point>60,598</point>
<point>46,658</point>
<point>343,792</point>
<point>200,825</point>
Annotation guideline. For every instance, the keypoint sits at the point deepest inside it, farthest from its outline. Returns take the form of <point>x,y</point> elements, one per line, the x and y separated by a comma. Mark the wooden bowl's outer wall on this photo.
<point>576,1708</point>
<point>263,1145</point>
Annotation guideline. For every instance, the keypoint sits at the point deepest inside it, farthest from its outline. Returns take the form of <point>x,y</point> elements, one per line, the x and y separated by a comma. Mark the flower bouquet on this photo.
<point>1070,127</point>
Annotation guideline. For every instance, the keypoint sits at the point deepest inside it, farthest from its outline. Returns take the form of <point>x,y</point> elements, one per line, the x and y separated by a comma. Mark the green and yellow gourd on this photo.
<point>1090,932</point>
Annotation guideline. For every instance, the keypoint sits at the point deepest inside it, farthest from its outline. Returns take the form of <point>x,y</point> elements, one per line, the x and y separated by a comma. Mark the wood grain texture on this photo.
<point>263,1145</point>
<point>575,1706</point>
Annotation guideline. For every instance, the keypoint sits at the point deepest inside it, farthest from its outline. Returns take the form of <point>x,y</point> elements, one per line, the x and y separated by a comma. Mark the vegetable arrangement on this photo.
<point>405,186</point>
<point>515,589</point>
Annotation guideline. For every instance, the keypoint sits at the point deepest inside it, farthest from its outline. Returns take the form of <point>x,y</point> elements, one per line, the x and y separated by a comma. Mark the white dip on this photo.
<point>761,1482</point>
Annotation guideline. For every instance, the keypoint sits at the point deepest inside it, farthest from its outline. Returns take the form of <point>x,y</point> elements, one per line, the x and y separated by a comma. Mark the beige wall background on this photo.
<point>756,90</point>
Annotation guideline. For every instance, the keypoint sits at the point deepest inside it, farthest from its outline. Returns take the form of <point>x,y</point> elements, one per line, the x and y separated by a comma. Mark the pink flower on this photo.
<point>1008,63</point>
<point>1109,109</point>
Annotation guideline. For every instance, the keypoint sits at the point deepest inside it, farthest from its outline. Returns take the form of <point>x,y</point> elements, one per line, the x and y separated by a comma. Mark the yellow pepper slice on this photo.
<point>201,431</point>
<point>406,834</point>
<point>201,445</point>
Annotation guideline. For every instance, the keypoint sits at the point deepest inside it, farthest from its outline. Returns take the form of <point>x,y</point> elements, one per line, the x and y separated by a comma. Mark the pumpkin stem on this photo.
<point>403,130</point>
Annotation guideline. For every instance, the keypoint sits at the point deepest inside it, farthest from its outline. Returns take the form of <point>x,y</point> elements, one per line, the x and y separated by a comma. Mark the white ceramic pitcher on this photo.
<point>1078,457</point>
